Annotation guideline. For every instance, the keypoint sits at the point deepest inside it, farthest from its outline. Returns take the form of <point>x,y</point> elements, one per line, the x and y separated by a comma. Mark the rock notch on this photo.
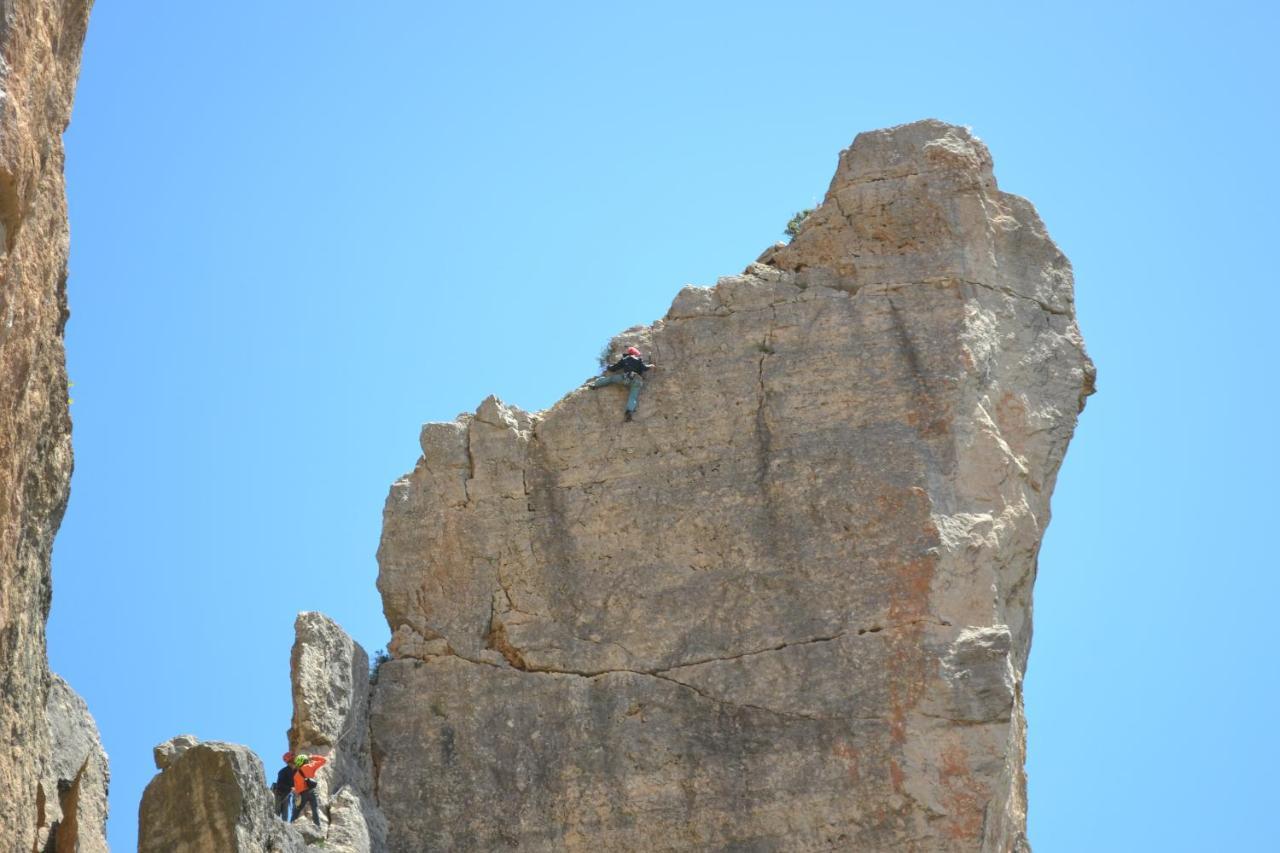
<point>788,607</point>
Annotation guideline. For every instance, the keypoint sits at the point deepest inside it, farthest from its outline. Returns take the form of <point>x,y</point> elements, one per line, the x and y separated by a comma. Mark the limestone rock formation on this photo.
<point>788,607</point>
<point>330,674</point>
<point>40,43</point>
<point>210,796</point>
<point>76,777</point>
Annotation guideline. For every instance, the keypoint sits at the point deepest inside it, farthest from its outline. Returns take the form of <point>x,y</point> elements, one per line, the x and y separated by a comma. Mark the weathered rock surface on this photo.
<point>166,753</point>
<point>330,674</point>
<point>788,608</point>
<point>40,43</point>
<point>210,796</point>
<point>76,776</point>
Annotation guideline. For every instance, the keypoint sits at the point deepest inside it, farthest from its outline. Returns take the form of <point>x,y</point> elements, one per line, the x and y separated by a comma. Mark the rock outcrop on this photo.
<point>788,607</point>
<point>210,796</point>
<point>40,42</point>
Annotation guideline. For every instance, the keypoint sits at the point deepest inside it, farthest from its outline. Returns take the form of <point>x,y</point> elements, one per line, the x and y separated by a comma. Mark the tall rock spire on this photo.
<point>788,606</point>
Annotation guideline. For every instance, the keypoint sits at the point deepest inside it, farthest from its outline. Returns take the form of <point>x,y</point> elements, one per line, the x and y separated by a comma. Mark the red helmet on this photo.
<point>288,758</point>
<point>633,351</point>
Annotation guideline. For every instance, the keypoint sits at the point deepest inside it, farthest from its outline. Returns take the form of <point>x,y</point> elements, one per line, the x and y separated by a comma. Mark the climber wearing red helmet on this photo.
<point>628,370</point>
<point>283,787</point>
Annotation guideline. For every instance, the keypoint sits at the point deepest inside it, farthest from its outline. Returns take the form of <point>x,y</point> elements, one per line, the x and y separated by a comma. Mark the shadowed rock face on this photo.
<point>40,43</point>
<point>788,607</point>
<point>76,817</point>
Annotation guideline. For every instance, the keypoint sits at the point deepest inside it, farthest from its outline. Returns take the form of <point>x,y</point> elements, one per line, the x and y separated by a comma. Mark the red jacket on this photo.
<point>305,772</point>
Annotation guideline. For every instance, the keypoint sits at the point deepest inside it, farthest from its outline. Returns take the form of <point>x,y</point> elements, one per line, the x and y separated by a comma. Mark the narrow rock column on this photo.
<point>330,674</point>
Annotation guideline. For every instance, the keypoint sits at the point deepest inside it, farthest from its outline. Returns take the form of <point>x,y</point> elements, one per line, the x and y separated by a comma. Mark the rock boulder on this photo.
<point>211,796</point>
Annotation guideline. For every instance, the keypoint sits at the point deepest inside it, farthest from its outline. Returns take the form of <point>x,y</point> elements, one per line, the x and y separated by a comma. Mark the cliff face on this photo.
<point>40,42</point>
<point>788,607</point>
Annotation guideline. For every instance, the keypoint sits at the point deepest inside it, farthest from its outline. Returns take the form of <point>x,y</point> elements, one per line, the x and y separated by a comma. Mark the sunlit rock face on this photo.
<point>40,43</point>
<point>788,606</point>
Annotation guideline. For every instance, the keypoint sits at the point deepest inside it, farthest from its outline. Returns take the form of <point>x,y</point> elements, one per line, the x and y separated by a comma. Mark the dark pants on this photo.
<point>301,801</point>
<point>283,801</point>
<point>631,380</point>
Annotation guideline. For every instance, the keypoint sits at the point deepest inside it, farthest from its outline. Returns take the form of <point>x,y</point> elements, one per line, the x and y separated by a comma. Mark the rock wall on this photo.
<point>40,42</point>
<point>788,607</point>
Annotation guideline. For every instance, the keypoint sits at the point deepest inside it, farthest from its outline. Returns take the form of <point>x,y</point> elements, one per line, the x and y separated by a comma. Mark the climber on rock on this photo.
<point>283,787</point>
<point>304,785</point>
<point>628,370</point>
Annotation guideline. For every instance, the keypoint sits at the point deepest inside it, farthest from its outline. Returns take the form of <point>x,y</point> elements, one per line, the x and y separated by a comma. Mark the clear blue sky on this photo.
<point>302,229</point>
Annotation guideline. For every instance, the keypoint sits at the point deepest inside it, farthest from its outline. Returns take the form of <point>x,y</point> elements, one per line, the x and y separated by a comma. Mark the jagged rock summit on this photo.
<point>788,607</point>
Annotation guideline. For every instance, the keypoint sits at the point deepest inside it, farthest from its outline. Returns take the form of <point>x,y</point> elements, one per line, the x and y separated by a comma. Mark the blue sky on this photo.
<point>299,230</point>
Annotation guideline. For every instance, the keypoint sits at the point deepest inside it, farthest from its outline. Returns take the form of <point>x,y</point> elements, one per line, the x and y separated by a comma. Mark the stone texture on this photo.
<point>40,43</point>
<point>349,829</point>
<point>211,796</point>
<point>76,776</point>
<point>166,753</point>
<point>788,608</point>
<point>330,675</point>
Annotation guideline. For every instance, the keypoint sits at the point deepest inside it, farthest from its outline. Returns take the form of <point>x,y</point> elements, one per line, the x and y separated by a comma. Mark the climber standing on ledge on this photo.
<point>628,370</point>
<point>283,787</point>
<point>304,785</point>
